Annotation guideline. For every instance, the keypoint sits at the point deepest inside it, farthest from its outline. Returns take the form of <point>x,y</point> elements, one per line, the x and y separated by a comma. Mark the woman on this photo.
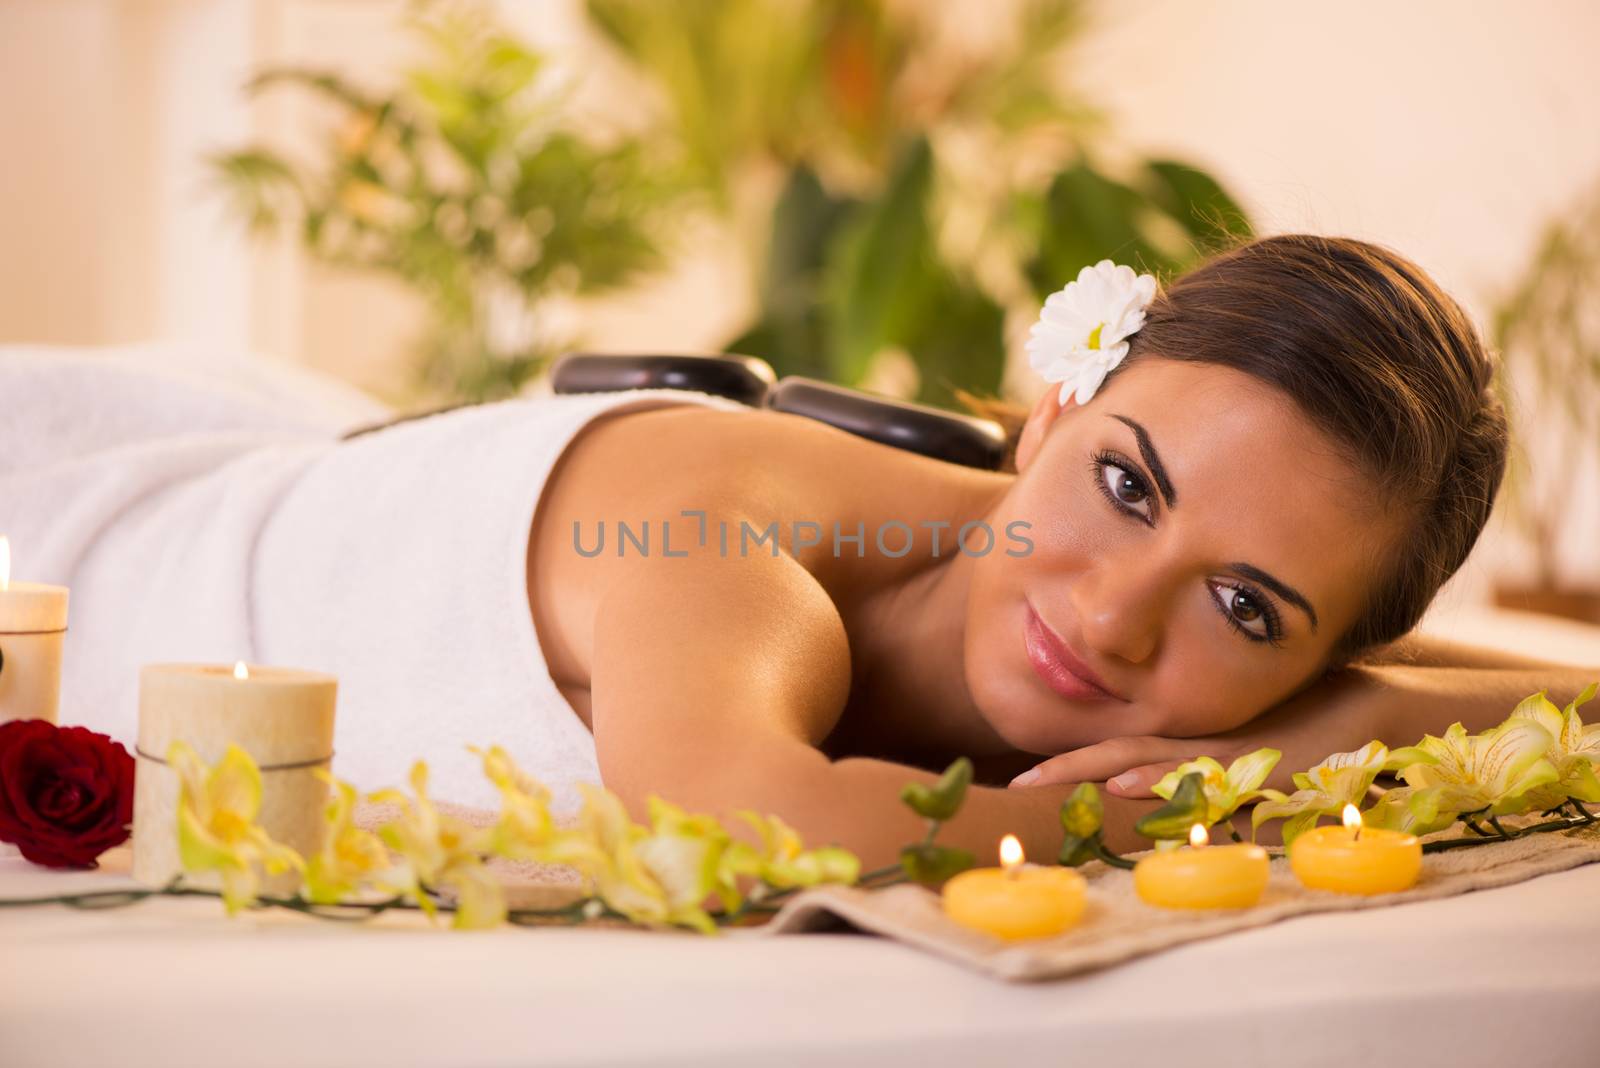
<point>1215,546</point>
<point>1225,544</point>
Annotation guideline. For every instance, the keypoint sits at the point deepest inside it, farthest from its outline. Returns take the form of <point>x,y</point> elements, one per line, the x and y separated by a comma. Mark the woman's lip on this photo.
<point>1054,663</point>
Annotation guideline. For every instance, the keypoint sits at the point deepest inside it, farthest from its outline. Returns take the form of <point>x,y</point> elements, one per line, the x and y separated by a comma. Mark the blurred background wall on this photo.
<point>1453,133</point>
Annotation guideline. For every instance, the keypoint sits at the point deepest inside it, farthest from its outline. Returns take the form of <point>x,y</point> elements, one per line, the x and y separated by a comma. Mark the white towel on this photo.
<point>199,523</point>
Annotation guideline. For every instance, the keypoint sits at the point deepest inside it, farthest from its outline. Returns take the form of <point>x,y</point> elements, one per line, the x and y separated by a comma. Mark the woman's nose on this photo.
<point>1120,607</point>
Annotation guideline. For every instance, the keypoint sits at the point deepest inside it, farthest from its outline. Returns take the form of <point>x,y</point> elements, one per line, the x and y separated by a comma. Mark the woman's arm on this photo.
<point>855,802</point>
<point>1421,650</point>
<point>1406,701</point>
<point>714,678</point>
<point>1408,690</point>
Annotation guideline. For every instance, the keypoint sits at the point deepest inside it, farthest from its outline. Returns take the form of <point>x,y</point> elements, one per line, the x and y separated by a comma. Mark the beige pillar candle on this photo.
<point>282,717</point>
<point>33,622</point>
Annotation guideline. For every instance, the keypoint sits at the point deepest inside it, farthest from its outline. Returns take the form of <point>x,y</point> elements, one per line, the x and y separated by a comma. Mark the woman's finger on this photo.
<point>1138,782</point>
<point>1101,761</point>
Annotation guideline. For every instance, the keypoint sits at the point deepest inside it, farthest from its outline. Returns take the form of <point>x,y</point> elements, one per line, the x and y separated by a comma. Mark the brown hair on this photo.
<point>1381,359</point>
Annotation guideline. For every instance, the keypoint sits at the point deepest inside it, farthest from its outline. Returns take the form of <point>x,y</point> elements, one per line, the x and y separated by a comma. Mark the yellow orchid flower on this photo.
<point>350,856</point>
<point>667,820</point>
<point>657,875</point>
<point>1225,789</point>
<point>1414,810</point>
<point>217,830</point>
<point>442,852</point>
<point>784,862</point>
<point>1574,749</point>
<point>525,830</point>
<point>1493,770</point>
<point>1342,779</point>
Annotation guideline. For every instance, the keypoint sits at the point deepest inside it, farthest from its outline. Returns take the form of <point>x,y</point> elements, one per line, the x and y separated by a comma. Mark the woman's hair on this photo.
<point>1382,360</point>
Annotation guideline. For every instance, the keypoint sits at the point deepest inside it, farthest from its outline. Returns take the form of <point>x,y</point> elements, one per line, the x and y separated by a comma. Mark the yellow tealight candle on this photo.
<point>1017,900</point>
<point>1353,859</point>
<point>1203,876</point>
<point>33,624</point>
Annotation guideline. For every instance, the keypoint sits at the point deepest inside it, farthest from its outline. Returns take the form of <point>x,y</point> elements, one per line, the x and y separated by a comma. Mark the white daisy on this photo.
<point>1082,330</point>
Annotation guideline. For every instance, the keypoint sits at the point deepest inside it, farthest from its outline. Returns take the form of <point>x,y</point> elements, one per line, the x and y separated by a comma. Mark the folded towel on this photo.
<point>198,523</point>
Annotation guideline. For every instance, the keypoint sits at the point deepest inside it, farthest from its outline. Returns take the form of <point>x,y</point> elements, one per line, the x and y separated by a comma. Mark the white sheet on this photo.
<point>1496,978</point>
<point>206,521</point>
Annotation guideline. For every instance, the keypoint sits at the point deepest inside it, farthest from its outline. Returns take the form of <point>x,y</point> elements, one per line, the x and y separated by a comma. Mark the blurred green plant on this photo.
<point>1548,332</point>
<point>463,183</point>
<point>916,189</point>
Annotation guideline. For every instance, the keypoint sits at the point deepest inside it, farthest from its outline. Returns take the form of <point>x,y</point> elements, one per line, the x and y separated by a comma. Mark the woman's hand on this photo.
<point>1334,715</point>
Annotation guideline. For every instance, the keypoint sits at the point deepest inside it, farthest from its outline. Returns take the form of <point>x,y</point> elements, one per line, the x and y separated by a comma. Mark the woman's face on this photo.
<point>1198,549</point>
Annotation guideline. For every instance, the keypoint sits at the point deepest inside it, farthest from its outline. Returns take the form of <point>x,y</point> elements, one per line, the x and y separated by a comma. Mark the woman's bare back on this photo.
<point>749,473</point>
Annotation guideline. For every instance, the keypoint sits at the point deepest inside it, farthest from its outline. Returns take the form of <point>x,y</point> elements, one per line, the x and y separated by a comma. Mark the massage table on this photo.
<point>1493,978</point>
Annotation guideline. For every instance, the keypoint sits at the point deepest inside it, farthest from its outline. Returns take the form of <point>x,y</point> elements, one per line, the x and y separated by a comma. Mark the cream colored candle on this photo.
<point>282,717</point>
<point>33,623</point>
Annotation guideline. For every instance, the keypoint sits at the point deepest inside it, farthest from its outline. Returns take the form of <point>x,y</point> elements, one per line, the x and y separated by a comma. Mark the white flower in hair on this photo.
<point>1082,330</point>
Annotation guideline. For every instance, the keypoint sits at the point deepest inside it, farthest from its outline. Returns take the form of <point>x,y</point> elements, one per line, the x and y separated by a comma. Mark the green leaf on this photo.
<point>942,800</point>
<point>263,186</point>
<point>1089,217</point>
<point>1083,814</point>
<point>1198,203</point>
<point>930,864</point>
<point>1077,850</point>
<point>804,222</point>
<point>794,346</point>
<point>324,82</point>
<point>1174,819</point>
<point>958,343</point>
<point>882,274</point>
<point>791,333</point>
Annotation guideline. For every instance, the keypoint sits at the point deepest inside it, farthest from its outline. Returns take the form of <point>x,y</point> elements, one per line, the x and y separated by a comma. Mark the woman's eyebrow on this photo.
<point>1152,460</point>
<point>1282,589</point>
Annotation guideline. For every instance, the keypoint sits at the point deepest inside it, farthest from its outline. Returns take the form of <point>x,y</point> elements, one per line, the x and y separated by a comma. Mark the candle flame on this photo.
<point>1010,851</point>
<point>5,562</point>
<point>1198,836</point>
<point>240,671</point>
<point>1352,817</point>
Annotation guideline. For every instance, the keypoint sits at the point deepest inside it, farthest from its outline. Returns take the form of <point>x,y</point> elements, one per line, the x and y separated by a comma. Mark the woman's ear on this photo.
<point>1044,413</point>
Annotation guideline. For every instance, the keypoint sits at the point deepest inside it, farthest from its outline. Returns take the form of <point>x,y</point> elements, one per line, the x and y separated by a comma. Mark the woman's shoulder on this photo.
<point>643,488</point>
<point>693,458</point>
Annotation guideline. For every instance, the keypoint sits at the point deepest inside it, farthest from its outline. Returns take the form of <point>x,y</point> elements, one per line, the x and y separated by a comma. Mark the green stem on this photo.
<point>1116,860</point>
<point>102,899</point>
<point>880,873</point>
<point>575,912</point>
<point>353,911</point>
<point>1538,828</point>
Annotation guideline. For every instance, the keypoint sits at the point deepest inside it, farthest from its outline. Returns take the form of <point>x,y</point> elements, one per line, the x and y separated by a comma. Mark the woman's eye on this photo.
<point>1126,488</point>
<point>1244,609</point>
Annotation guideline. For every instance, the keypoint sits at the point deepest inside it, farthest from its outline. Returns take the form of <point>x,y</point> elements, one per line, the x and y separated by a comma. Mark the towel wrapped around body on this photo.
<point>199,523</point>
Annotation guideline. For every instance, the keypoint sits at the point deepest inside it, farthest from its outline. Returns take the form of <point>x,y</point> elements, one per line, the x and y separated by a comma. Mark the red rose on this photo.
<point>66,793</point>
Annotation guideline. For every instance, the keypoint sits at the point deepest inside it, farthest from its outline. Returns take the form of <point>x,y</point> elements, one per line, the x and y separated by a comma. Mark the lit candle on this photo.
<point>283,718</point>
<point>1203,876</point>
<point>1353,859</point>
<point>33,622</point>
<point>1017,900</point>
